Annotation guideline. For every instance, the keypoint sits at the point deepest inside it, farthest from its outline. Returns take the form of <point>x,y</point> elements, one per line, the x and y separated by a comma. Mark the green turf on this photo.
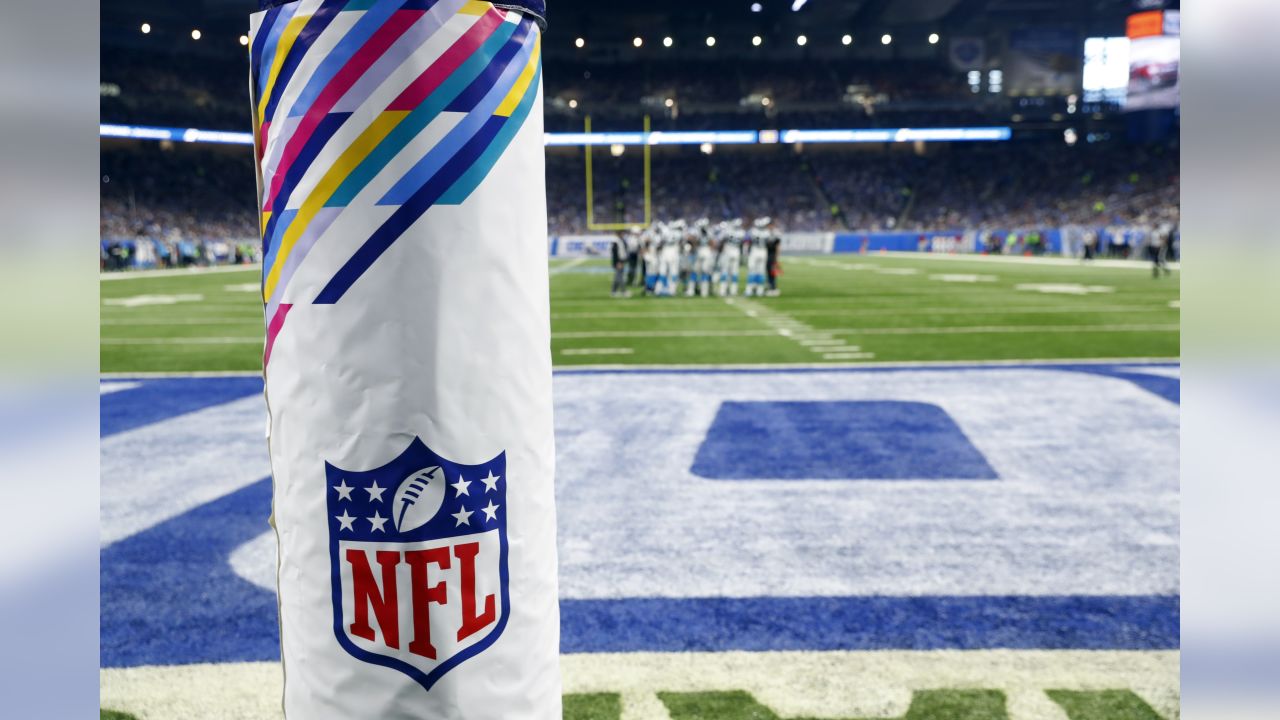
<point>851,299</point>
<point>1108,704</point>
<point>113,715</point>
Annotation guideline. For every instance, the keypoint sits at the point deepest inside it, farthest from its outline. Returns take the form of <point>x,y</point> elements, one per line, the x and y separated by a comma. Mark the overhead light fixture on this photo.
<point>573,104</point>
<point>801,40</point>
<point>765,101</point>
<point>146,28</point>
<point>756,40</point>
<point>670,102</point>
<point>885,39</point>
<point>797,4</point>
<point>846,40</point>
<point>580,42</point>
<point>711,41</point>
<point>195,34</point>
<point>756,7</point>
<point>667,41</point>
<point>244,39</point>
<point>933,38</point>
<point>638,42</point>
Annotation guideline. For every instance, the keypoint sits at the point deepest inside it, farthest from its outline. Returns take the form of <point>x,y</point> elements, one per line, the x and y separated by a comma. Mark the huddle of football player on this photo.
<point>704,258</point>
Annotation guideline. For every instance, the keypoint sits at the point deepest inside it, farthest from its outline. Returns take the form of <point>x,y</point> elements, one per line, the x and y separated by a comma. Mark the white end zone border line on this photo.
<point>792,684</point>
<point>733,367</point>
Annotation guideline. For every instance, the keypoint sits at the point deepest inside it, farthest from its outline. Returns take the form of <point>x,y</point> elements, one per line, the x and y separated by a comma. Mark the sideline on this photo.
<point>1012,259</point>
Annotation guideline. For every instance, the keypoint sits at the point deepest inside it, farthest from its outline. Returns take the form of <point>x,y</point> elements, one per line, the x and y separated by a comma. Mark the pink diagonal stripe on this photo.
<point>273,329</point>
<point>342,81</point>
<point>430,79</point>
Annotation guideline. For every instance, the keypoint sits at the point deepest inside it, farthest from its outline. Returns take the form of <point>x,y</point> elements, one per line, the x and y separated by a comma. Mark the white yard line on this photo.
<point>791,684</point>
<point>597,351</point>
<point>720,367</point>
<point>817,341</point>
<point>974,330</point>
<point>184,341</point>
<point>567,266</point>
<point>135,274</point>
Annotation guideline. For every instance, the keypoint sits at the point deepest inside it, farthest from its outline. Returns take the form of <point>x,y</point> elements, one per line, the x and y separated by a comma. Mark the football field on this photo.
<point>918,488</point>
<point>832,310</point>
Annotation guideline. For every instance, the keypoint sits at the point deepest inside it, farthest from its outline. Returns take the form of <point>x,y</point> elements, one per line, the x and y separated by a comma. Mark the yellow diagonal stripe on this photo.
<point>287,37</point>
<point>476,7</point>
<point>513,97</point>
<point>333,177</point>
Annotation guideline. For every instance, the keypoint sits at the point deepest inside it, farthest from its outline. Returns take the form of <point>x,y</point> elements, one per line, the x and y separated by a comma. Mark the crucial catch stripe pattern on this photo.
<point>403,104</point>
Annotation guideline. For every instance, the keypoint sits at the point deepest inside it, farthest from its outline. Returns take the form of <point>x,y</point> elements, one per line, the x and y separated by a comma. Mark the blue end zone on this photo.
<point>865,440</point>
<point>158,400</point>
<point>169,597</point>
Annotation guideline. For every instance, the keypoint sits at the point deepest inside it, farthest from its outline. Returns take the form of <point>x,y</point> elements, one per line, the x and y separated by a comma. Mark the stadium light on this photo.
<point>933,38</point>
<point>711,41</point>
<point>580,42</point>
<point>195,34</point>
<point>637,41</point>
<point>801,40</point>
<point>756,7</point>
<point>765,101</point>
<point>244,39</point>
<point>885,39</point>
<point>573,104</point>
<point>667,41</point>
<point>669,102</point>
<point>707,148</point>
<point>146,28</point>
<point>617,149</point>
<point>756,40</point>
<point>797,4</point>
<point>846,40</point>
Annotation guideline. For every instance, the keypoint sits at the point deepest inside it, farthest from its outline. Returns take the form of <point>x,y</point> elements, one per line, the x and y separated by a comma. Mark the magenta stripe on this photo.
<point>395,26</point>
<point>273,329</point>
<point>399,53</point>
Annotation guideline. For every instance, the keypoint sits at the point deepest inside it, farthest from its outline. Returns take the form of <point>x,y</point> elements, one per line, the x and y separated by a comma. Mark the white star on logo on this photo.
<point>491,482</point>
<point>490,511</point>
<point>346,520</point>
<point>461,486</point>
<point>344,490</point>
<point>375,492</point>
<point>463,516</point>
<point>376,522</point>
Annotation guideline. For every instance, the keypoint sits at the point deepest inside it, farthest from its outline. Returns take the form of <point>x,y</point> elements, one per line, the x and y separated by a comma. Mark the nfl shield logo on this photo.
<point>418,552</point>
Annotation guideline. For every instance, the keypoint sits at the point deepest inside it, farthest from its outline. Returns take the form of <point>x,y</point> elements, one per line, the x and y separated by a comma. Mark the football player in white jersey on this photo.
<point>649,255</point>
<point>757,262</point>
<point>669,259</point>
<point>704,259</point>
<point>730,259</point>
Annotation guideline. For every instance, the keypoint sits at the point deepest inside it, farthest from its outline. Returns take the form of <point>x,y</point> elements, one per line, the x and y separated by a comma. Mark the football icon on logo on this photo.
<point>418,499</point>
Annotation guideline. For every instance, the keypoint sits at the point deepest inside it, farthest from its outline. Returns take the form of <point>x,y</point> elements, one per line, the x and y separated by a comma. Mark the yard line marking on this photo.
<point>184,341</point>
<point>567,266</point>
<point>974,330</point>
<point>597,351</point>
<point>833,348</point>
<point>800,332</point>
<point>249,320</point>
<point>135,274</point>
<point>135,301</point>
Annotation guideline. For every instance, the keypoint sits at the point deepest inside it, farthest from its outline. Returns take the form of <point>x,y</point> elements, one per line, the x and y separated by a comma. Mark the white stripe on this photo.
<point>147,478</point>
<point>107,388</point>
<point>1016,260</point>
<point>791,684</point>
<point>848,356</point>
